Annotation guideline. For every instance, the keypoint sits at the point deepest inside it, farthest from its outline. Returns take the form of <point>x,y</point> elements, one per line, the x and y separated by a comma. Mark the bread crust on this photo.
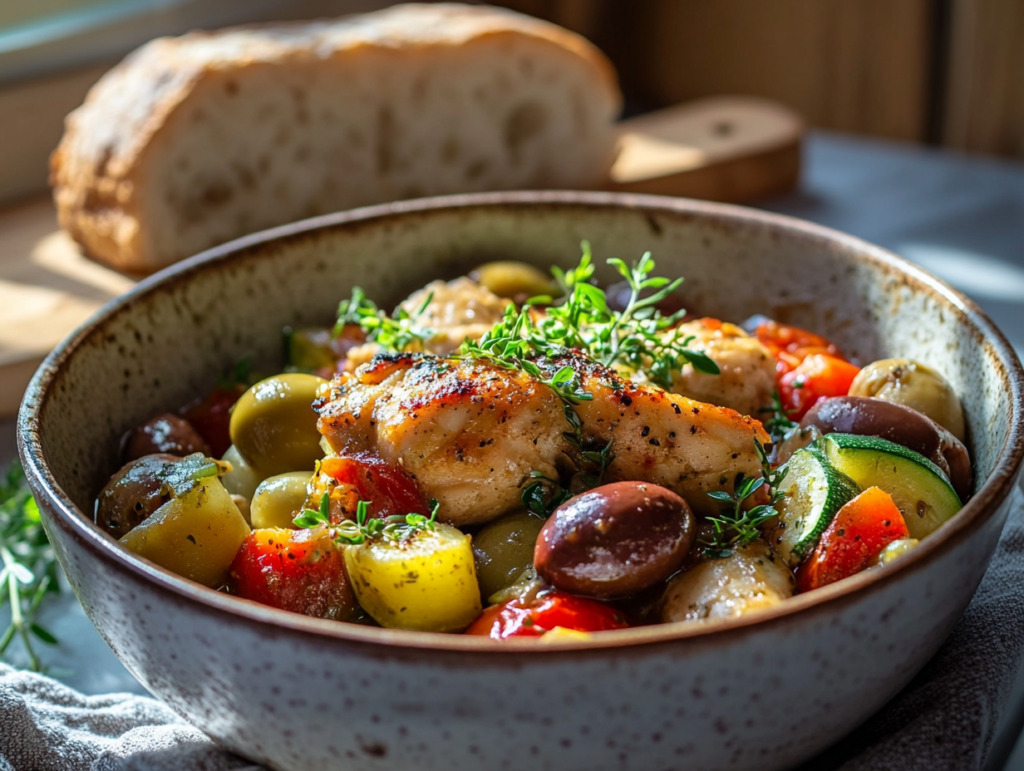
<point>99,171</point>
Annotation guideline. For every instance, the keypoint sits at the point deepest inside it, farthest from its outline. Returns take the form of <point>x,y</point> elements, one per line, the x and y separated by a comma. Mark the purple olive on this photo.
<point>903,425</point>
<point>134,493</point>
<point>615,540</point>
<point>167,434</point>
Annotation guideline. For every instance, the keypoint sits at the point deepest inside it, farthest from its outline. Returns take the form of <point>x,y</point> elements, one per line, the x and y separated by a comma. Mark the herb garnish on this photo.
<point>638,338</point>
<point>737,527</point>
<point>29,570</point>
<point>399,333</point>
<point>779,424</point>
<point>397,527</point>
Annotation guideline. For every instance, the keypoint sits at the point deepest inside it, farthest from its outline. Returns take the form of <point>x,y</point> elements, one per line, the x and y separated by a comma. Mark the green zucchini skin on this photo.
<point>918,487</point>
<point>815,491</point>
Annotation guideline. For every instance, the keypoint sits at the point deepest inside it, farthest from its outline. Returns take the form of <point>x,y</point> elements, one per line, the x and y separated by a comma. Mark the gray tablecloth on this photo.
<point>945,720</point>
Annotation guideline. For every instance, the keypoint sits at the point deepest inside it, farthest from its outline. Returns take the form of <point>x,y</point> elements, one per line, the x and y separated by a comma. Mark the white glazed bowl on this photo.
<point>761,692</point>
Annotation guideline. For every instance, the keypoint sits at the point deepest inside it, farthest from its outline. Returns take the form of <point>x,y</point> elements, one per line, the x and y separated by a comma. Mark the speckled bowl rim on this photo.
<point>390,643</point>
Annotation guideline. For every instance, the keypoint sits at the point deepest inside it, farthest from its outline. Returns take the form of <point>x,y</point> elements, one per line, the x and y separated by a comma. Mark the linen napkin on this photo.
<point>945,720</point>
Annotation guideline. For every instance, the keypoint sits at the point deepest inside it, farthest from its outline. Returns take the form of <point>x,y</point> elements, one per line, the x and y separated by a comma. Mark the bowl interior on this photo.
<point>168,341</point>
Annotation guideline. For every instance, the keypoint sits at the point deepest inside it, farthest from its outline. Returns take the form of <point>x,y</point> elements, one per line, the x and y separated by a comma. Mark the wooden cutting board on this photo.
<point>733,149</point>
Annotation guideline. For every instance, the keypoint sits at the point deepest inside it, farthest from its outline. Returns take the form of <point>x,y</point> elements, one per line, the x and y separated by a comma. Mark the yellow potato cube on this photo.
<point>195,535</point>
<point>426,581</point>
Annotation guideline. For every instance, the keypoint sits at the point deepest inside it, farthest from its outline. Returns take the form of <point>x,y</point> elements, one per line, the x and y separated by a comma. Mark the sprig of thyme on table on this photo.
<point>736,528</point>
<point>28,569</point>
<point>397,527</point>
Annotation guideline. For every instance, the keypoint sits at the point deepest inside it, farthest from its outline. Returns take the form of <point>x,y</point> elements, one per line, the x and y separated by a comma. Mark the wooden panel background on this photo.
<point>944,71</point>
<point>985,97</point>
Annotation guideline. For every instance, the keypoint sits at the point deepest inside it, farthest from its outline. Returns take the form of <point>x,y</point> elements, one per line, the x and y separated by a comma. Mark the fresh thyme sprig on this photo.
<point>398,527</point>
<point>779,424</point>
<point>514,342</point>
<point>542,495</point>
<point>638,338</point>
<point>401,332</point>
<point>736,528</point>
<point>28,572</point>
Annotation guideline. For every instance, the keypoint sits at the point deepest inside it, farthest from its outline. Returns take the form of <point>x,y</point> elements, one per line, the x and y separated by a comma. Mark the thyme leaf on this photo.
<point>397,527</point>
<point>400,333</point>
<point>779,424</point>
<point>734,527</point>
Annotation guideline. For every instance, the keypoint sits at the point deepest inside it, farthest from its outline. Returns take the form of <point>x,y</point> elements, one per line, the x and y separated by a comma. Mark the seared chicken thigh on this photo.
<point>468,432</point>
<point>471,433</point>
<point>687,446</point>
<point>747,376</point>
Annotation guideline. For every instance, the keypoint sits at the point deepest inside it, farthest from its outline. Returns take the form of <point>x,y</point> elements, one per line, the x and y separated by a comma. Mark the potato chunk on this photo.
<point>751,579</point>
<point>195,535</point>
<point>426,581</point>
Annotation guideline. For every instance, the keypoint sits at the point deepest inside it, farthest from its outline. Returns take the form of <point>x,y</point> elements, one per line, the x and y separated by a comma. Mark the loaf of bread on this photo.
<point>195,140</point>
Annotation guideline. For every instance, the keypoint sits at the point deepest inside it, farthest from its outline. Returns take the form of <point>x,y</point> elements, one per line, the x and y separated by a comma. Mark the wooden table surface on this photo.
<point>958,216</point>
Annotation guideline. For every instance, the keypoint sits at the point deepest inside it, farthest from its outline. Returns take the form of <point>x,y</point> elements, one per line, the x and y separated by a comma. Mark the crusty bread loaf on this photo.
<point>192,141</point>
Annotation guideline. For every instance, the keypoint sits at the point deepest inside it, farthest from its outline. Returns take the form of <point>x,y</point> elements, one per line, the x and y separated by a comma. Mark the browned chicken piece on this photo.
<point>690,447</point>
<point>469,432</point>
<point>458,310</point>
<point>747,376</point>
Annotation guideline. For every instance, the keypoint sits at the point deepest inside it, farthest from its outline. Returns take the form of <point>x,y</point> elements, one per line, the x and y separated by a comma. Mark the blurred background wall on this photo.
<point>944,72</point>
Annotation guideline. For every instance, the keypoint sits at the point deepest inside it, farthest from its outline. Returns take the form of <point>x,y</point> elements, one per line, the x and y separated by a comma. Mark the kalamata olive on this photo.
<point>915,385</point>
<point>133,493</point>
<point>899,424</point>
<point>273,425</point>
<point>164,434</point>
<point>503,549</point>
<point>615,540</point>
<point>514,280</point>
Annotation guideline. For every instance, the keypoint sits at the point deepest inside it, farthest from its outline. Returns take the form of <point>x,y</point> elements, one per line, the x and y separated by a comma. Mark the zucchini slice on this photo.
<point>814,492</point>
<point>918,487</point>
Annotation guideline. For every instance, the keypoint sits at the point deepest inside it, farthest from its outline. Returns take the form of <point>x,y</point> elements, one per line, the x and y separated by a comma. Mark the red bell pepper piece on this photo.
<point>555,609</point>
<point>817,377</point>
<point>853,540</point>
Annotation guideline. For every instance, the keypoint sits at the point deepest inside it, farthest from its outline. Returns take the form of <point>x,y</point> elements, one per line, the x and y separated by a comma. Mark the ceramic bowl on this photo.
<point>760,692</point>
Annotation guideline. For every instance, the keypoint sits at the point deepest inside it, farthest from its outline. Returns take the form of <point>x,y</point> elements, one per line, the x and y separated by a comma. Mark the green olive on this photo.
<point>896,549</point>
<point>504,549</point>
<point>243,479</point>
<point>514,280</point>
<point>279,499</point>
<point>273,425</point>
<point>914,385</point>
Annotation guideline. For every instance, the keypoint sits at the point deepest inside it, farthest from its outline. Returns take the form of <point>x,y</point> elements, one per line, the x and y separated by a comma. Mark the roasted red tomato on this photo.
<point>555,609</point>
<point>388,489</point>
<point>791,345</point>
<point>298,570</point>
<point>854,539</point>
<point>211,417</point>
<point>818,377</point>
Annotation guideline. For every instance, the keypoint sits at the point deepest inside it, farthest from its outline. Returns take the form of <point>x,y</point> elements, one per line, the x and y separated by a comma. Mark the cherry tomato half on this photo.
<point>388,488</point>
<point>555,609</point>
<point>298,570</point>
